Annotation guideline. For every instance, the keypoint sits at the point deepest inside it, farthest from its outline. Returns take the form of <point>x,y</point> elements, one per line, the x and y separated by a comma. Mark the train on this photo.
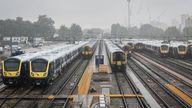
<point>117,57</point>
<point>45,68</point>
<point>163,48</point>
<point>89,49</point>
<point>15,70</point>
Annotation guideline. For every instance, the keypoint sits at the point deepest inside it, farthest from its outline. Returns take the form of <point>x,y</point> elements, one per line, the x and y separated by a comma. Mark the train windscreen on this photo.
<point>39,65</point>
<point>11,64</point>
<point>118,56</point>
<point>164,47</point>
<point>87,48</point>
<point>181,48</point>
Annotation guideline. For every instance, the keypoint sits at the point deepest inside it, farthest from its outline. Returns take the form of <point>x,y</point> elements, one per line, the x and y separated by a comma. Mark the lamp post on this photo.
<point>129,14</point>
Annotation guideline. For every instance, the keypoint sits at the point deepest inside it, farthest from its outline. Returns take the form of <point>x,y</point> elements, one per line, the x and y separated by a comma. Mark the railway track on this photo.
<point>13,91</point>
<point>57,85</point>
<point>161,78</point>
<point>73,79</point>
<point>173,64</point>
<point>126,86</point>
<point>174,79</point>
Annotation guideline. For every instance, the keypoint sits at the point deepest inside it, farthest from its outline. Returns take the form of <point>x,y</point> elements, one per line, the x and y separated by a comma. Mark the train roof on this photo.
<point>178,43</point>
<point>31,55</point>
<point>51,56</point>
<point>112,47</point>
<point>91,43</point>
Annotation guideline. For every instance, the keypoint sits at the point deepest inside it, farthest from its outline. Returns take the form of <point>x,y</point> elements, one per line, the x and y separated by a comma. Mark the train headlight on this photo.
<point>44,74</point>
<point>32,74</point>
<point>17,73</point>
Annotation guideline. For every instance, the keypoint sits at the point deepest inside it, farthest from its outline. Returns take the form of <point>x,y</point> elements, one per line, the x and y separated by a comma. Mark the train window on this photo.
<point>164,47</point>
<point>118,56</point>
<point>181,48</point>
<point>39,65</point>
<point>11,64</point>
<point>87,48</point>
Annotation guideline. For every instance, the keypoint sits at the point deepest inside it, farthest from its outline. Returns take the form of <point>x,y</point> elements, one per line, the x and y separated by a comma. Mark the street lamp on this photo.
<point>129,14</point>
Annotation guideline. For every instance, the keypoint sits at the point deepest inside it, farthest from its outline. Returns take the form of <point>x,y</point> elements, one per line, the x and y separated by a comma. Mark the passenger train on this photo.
<point>89,49</point>
<point>15,70</point>
<point>117,57</point>
<point>45,68</point>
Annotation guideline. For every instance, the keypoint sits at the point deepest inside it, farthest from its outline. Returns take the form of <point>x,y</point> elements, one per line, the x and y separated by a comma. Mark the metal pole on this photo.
<point>129,14</point>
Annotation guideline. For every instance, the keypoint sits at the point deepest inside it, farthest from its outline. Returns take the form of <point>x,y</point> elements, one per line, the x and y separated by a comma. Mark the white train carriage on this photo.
<point>45,68</point>
<point>117,57</point>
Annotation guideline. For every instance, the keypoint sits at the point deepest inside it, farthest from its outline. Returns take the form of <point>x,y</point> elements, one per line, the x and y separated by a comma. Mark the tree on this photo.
<point>187,32</point>
<point>148,31</point>
<point>44,27</point>
<point>118,31</point>
<point>75,32</point>
<point>64,33</point>
<point>172,32</point>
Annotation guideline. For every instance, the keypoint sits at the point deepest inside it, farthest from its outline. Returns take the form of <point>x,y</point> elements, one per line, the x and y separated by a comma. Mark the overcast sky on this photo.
<point>96,13</point>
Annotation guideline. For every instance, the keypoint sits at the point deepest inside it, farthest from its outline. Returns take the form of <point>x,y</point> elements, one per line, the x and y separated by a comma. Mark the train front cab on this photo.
<point>118,61</point>
<point>13,71</point>
<point>87,52</point>
<point>182,51</point>
<point>41,72</point>
<point>164,50</point>
<point>189,51</point>
<point>178,52</point>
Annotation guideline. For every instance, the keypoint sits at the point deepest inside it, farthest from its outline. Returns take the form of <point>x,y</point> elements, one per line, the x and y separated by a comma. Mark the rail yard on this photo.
<point>99,73</point>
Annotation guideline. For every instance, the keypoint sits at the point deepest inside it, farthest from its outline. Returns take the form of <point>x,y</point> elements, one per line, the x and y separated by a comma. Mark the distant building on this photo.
<point>16,39</point>
<point>186,21</point>
<point>38,40</point>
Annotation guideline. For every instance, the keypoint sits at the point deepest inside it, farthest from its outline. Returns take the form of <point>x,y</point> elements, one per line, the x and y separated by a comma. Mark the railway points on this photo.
<point>126,77</point>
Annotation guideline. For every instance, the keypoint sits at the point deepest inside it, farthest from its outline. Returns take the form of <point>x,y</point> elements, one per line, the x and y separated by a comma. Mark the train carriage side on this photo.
<point>52,64</point>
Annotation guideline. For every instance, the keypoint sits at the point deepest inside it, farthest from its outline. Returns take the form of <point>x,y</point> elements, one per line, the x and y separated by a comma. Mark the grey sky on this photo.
<point>96,13</point>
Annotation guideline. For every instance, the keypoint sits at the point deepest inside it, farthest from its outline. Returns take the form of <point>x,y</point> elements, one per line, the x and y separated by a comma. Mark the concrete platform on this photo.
<point>148,97</point>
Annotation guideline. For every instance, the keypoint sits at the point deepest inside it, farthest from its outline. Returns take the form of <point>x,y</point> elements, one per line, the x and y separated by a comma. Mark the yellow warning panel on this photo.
<point>103,68</point>
<point>120,95</point>
<point>84,84</point>
<point>180,93</point>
